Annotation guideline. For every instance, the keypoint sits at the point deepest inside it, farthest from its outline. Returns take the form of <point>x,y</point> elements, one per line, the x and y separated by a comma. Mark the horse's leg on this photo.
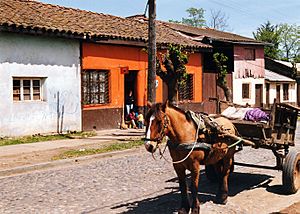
<point>223,169</point>
<point>185,205</point>
<point>195,180</point>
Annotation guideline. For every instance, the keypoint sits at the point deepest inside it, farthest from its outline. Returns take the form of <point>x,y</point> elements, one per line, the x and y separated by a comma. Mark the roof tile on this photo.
<point>34,14</point>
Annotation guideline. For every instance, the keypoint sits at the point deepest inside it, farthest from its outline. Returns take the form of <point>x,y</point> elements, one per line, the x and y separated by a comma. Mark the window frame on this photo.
<point>32,87</point>
<point>187,87</point>
<point>250,54</point>
<point>243,91</point>
<point>89,83</point>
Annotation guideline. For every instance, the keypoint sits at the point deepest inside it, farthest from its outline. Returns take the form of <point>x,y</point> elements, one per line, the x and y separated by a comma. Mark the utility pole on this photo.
<point>151,91</point>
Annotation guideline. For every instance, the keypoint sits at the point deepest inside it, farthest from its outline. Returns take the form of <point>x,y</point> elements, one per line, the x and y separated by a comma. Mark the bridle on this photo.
<point>162,133</point>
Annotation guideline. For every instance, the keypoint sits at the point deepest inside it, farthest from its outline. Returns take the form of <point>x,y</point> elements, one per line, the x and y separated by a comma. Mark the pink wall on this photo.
<point>249,68</point>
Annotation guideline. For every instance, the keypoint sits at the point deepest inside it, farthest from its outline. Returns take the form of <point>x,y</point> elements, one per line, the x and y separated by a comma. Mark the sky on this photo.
<point>244,16</point>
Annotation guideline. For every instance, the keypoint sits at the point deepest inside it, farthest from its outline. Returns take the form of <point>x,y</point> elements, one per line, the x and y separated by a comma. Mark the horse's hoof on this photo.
<point>221,199</point>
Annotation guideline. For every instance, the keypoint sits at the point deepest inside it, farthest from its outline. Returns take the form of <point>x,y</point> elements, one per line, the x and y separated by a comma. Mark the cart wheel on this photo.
<point>211,173</point>
<point>291,172</point>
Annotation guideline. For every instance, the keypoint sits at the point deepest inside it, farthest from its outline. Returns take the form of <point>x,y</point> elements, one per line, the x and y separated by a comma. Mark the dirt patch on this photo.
<point>12,161</point>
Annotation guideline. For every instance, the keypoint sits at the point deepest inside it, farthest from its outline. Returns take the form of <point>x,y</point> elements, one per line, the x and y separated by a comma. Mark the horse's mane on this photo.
<point>156,108</point>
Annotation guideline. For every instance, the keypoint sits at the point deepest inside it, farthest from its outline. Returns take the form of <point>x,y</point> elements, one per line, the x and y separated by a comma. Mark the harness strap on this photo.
<point>188,146</point>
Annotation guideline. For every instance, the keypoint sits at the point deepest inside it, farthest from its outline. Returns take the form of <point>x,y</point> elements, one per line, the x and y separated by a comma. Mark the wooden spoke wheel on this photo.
<point>291,172</point>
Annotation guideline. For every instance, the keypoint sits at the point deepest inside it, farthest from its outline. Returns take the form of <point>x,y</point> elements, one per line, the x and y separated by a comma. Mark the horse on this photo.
<point>168,120</point>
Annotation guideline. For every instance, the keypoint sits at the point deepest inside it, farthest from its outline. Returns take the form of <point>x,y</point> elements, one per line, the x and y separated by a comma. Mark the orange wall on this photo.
<point>195,67</point>
<point>113,57</point>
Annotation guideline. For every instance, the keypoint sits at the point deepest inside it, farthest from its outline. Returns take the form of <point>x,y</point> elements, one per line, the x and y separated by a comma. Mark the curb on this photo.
<point>64,162</point>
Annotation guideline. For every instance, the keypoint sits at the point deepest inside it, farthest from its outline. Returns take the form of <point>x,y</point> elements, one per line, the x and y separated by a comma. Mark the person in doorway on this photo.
<point>131,118</point>
<point>129,102</point>
<point>140,120</point>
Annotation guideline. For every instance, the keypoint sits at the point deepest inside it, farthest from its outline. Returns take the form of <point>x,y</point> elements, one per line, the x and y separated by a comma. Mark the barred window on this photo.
<point>27,89</point>
<point>95,86</point>
<point>186,89</point>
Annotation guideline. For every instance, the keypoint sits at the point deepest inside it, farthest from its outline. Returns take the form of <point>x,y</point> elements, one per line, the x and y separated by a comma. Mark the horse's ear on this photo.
<point>167,103</point>
<point>149,104</point>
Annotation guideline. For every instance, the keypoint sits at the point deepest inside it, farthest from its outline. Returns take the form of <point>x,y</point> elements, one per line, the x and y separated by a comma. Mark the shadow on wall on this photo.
<point>34,50</point>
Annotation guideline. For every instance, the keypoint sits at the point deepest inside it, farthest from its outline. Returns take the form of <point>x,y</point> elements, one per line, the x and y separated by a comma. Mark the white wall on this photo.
<point>58,62</point>
<point>292,92</point>
<point>237,88</point>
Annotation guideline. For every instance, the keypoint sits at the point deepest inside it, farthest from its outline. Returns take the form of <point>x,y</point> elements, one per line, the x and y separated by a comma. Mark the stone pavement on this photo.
<point>103,137</point>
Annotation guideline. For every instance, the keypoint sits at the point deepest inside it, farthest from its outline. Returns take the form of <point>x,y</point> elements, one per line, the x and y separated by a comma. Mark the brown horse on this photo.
<point>167,120</point>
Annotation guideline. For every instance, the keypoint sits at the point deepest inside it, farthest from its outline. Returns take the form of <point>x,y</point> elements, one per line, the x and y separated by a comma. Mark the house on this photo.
<point>64,69</point>
<point>288,70</point>
<point>280,87</point>
<point>245,65</point>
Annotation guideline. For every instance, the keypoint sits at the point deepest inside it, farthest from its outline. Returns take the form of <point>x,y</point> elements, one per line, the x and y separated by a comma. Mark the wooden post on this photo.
<point>151,90</point>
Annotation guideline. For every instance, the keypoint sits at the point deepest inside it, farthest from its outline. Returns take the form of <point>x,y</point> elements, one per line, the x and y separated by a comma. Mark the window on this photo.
<point>246,91</point>
<point>249,53</point>
<point>186,89</point>
<point>286,91</point>
<point>27,89</point>
<point>95,86</point>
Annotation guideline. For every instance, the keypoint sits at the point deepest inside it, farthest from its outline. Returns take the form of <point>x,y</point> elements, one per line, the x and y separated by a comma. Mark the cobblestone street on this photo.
<point>135,183</point>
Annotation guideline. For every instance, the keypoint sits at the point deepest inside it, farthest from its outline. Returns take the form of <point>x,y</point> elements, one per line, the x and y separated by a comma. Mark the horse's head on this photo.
<point>156,122</point>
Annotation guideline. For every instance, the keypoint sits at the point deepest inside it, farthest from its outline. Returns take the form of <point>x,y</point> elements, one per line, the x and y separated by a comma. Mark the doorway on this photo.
<point>130,83</point>
<point>258,95</point>
<point>267,95</point>
<point>278,98</point>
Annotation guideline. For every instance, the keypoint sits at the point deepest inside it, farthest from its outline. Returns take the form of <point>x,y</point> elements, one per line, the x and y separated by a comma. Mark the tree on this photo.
<point>220,59</point>
<point>196,17</point>
<point>289,42</point>
<point>218,20</point>
<point>174,62</point>
<point>271,34</point>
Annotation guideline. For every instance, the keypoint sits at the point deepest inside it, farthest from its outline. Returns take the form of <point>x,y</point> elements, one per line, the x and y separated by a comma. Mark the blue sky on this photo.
<point>244,15</point>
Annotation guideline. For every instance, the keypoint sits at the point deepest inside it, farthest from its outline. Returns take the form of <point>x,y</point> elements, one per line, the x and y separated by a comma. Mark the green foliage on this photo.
<point>220,59</point>
<point>285,39</point>
<point>269,33</point>
<point>40,138</point>
<point>175,21</point>
<point>179,59</point>
<point>106,148</point>
<point>174,62</point>
<point>195,17</point>
<point>289,42</point>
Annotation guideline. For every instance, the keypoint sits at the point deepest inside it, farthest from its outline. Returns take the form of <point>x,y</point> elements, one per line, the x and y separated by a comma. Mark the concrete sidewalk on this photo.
<point>22,157</point>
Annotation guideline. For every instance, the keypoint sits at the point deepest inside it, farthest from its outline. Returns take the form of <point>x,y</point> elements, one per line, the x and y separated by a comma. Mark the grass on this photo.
<point>39,138</point>
<point>106,148</point>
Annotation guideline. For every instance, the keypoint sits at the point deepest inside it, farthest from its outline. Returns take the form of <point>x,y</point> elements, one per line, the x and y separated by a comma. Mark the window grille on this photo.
<point>95,87</point>
<point>27,89</point>
<point>186,88</point>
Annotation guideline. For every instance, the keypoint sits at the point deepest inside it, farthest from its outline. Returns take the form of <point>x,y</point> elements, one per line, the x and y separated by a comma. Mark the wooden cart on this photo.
<point>277,135</point>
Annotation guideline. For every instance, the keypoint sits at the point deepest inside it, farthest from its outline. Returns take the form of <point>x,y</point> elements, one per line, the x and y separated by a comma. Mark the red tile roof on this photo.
<point>30,15</point>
